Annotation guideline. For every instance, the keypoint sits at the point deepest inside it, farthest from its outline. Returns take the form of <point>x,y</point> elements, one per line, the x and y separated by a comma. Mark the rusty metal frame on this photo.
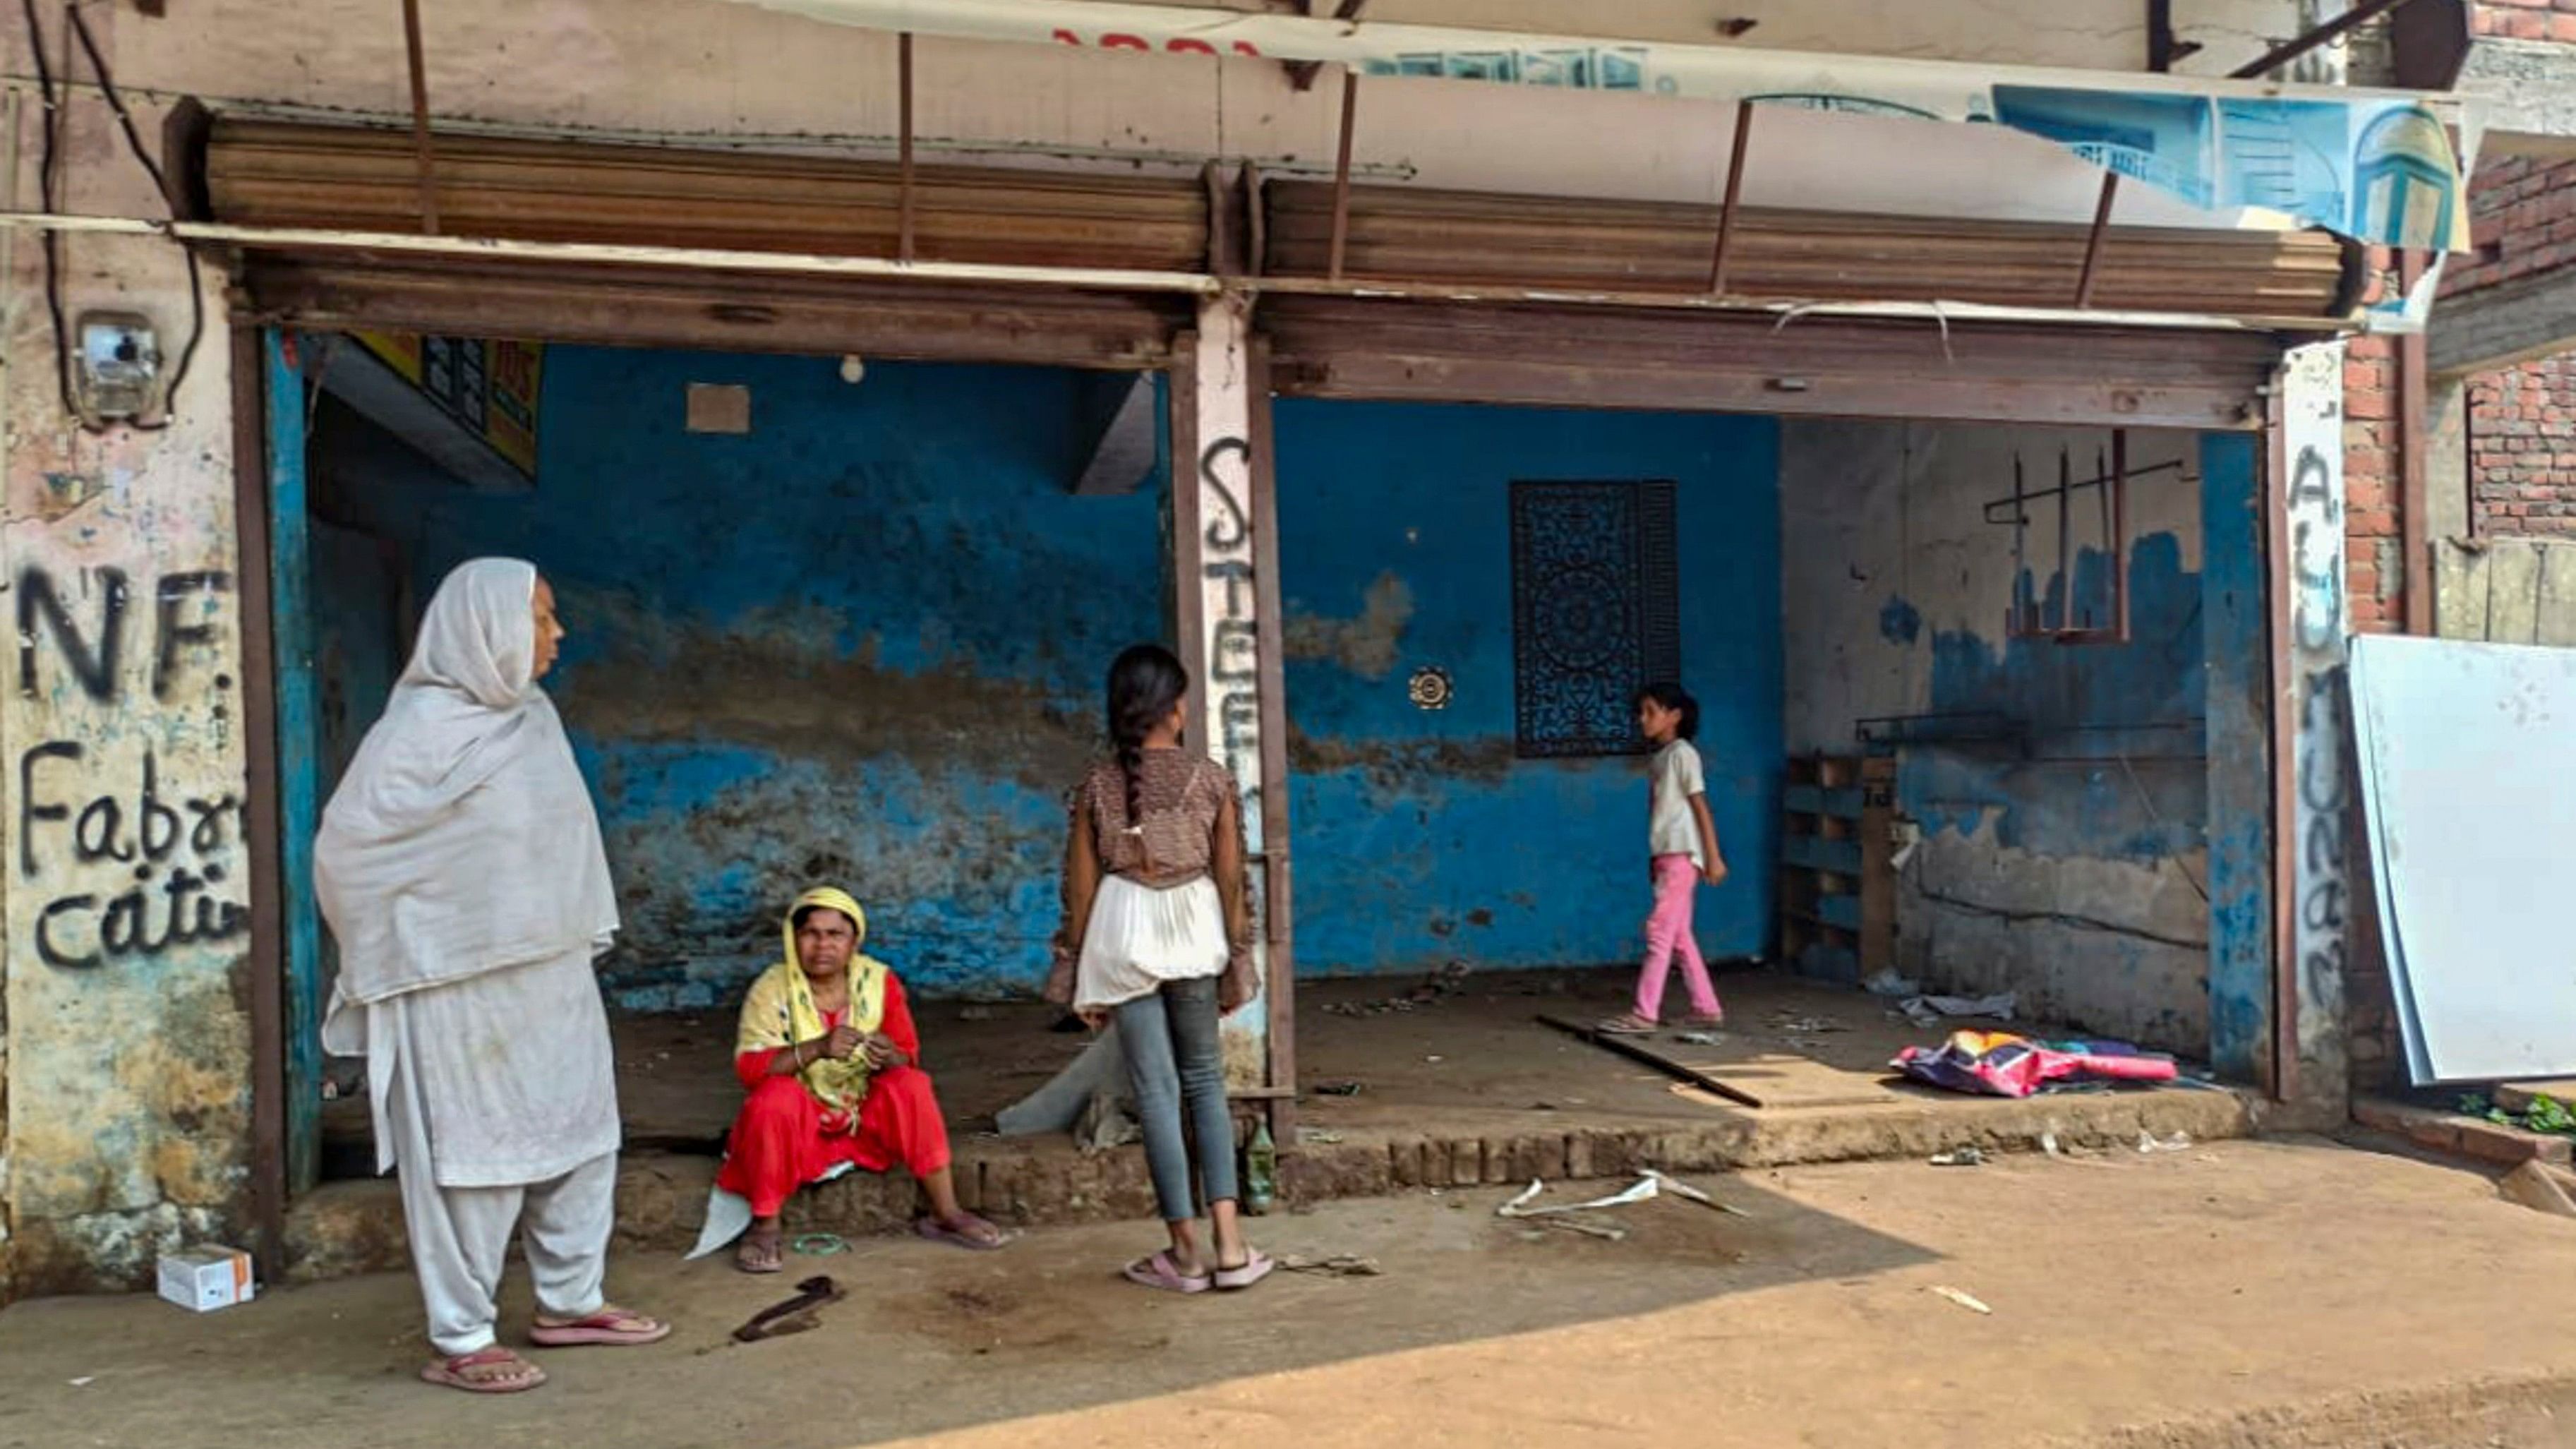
<point>2325,34</point>
<point>266,960</point>
<point>903,194</point>
<point>2274,511</point>
<point>1734,192</point>
<point>1278,909</point>
<point>1342,174</point>
<point>422,147</point>
<point>2094,239</point>
<point>2414,464</point>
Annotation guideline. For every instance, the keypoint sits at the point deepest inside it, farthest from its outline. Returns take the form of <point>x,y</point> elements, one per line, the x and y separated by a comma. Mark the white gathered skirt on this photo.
<point>1140,937</point>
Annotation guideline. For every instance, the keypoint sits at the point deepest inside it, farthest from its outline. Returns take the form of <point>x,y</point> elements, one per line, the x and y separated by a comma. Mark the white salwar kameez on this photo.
<point>460,867</point>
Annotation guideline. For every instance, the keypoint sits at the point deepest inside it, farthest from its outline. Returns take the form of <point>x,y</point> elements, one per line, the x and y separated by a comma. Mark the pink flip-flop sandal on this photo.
<point>609,1328</point>
<point>1159,1271</point>
<point>1256,1266</point>
<point>939,1232</point>
<point>450,1372</point>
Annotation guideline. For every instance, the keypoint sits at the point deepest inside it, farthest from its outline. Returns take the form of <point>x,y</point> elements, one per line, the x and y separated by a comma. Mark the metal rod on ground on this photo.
<point>1734,192</point>
<point>421,145</point>
<point>1342,174</point>
<point>2093,242</point>
<point>903,195</point>
<point>1657,1060</point>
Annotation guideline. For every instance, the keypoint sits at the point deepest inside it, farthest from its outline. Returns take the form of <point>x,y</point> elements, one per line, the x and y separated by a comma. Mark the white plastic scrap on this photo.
<point>1964,1300</point>
<point>2179,1142</point>
<point>1643,1189</point>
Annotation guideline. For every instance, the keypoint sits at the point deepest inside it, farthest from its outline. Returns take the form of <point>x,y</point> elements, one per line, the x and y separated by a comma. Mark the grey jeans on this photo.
<point>1177,1065</point>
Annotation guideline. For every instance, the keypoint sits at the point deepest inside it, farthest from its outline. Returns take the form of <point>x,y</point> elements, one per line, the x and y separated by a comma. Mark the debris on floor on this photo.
<point>1967,1301</point>
<point>977,1012</point>
<point>1962,1157</point>
<point>2542,1188</point>
<point>1606,1230</point>
<point>1448,981</point>
<point>793,1315</point>
<point>1338,1089</point>
<point>2148,1142</point>
<point>1339,1265</point>
<point>1701,1038</point>
<point>1650,1185</point>
<point>2001,1064</point>
<point>1791,1024</point>
<point>1317,1137</point>
<point>1105,1124</point>
<point>819,1245</point>
<point>1888,983</point>
<point>1930,1011</point>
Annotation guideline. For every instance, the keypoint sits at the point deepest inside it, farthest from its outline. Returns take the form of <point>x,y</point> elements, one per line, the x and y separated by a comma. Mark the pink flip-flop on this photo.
<point>1159,1271</point>
<point>609,1327</point>
<point>450,1372</point>
<point>1256,1266</point>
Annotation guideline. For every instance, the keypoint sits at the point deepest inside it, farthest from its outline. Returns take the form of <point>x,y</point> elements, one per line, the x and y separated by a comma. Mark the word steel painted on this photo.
<point>2319,645</point>
<point>128,864</point>
<point>1228,663</point>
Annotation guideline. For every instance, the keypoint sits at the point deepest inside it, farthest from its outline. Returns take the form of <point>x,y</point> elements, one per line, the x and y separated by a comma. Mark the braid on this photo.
<point>1130,756</point>
<point>1144,685</point>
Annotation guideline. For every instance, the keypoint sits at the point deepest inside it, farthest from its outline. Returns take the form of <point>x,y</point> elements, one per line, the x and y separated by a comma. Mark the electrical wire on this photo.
<point>161,183</point>
<point>47,189</point>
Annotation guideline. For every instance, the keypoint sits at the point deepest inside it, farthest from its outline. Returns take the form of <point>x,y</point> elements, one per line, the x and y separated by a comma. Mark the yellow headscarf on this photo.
<point>780,1010</point>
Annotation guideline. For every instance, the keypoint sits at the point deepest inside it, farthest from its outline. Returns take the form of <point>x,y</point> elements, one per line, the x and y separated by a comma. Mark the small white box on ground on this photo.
<point>207,1278</point>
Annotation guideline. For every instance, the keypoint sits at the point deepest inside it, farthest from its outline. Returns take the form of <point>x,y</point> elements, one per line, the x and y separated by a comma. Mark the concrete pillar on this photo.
<point>1216,548</point>
<point>2320,873</point>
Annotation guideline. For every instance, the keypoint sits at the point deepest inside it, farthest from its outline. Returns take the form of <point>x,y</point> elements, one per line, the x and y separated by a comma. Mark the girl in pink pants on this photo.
<point>1682,840</point>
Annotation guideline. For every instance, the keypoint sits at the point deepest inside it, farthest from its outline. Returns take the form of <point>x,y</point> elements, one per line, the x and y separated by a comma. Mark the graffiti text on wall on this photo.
<point>1234,649</point>
<point>136,866</point>
<point>2320,880</point>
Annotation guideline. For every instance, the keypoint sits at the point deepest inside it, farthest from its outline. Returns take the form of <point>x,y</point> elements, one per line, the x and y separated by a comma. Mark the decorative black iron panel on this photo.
<point>1595,612</point>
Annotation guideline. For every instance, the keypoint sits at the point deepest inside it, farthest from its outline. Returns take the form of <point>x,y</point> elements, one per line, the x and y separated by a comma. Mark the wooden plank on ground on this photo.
<point>2513,591</point>
<point>2459,590</point>
<point>2557,612</point>
<point>1650,1057</point>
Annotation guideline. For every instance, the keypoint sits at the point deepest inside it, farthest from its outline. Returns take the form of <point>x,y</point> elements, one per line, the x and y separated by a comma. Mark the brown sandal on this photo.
<point>762,1250</point>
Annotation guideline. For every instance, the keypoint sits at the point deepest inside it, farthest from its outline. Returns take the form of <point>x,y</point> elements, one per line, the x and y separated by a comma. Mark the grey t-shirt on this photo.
<point>1672,829</point>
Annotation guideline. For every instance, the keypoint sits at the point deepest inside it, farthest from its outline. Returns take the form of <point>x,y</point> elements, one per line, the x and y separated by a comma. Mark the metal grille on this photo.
<point>1595,612</point>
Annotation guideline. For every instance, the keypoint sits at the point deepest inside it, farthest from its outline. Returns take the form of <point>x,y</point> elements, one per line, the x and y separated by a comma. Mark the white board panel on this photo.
<point>2468,766</point>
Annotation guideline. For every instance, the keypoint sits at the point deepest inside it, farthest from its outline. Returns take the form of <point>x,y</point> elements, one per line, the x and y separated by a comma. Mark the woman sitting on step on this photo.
<point>827,1048</point>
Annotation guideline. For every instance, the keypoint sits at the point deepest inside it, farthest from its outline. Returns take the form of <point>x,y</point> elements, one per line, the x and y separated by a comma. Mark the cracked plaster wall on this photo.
<point>2068,866</point>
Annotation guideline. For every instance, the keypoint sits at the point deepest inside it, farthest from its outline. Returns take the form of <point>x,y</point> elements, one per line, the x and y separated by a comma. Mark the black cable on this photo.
<point>53,240</point>
<point>161,183</point>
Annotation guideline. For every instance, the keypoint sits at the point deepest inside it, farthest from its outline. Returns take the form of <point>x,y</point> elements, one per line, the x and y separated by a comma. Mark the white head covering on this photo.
<point>462,840</point>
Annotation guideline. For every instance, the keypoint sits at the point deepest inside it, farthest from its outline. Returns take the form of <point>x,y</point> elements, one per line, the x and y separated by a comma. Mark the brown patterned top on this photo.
<point>1190,824</point>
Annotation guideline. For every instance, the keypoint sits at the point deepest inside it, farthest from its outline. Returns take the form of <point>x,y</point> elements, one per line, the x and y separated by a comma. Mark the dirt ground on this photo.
<point>2286,1292</point>
<point>1473,1057</point>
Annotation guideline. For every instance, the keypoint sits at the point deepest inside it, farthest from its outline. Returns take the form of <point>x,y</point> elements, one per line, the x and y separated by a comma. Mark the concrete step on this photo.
<point>356,1227</point>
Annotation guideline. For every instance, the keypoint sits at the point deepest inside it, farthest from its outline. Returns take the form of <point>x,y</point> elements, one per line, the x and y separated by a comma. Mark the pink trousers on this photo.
<point>1668,932</point>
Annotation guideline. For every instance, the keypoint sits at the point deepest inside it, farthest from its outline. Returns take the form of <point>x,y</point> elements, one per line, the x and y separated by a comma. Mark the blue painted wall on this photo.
<point>861,644</point>
<point>1418,837</point>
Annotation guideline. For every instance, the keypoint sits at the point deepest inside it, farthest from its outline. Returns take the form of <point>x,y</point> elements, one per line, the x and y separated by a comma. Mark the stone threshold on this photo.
<point>346,1228</point>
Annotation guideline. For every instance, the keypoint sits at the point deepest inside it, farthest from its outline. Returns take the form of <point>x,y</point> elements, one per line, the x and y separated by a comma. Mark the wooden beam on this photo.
<point>1664,1064</point>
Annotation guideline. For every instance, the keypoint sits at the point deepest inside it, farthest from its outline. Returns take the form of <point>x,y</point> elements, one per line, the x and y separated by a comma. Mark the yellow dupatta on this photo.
<point>780,1010</point>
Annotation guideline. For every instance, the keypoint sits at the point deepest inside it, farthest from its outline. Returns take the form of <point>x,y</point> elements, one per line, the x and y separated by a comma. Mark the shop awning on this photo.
<point>2377,166</point>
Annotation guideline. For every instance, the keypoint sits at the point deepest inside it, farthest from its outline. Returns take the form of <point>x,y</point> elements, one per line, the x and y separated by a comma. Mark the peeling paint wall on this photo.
<point>2063,852</point>
<point>128,1040</point>
<point>1419,838</point>
<point>862,644</point>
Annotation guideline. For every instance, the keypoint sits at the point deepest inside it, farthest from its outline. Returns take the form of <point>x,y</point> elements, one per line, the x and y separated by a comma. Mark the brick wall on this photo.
<point>2522,220</point>
<point>2526,19</point>
<point>2522,449</point>
<point>2373,572</point>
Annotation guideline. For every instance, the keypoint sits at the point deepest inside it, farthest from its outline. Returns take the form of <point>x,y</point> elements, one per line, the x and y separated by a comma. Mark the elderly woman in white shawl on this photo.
<point>459,865</point>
